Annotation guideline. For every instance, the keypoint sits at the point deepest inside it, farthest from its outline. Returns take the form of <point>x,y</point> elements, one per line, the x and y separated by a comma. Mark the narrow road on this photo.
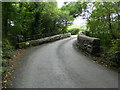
<point>59,65</point>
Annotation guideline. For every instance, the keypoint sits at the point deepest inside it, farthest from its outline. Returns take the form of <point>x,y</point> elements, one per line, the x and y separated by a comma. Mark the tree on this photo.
<point>26,19</point>
<point>75,8</point>
<point>103,21</point>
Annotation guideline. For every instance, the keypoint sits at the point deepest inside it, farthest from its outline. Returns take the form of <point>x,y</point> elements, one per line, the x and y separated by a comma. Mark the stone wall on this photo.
<point>88,44</point>
<point>42,40</point>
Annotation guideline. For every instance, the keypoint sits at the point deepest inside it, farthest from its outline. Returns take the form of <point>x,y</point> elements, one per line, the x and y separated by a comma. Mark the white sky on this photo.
<point>61,2</point>
<point>78,22</point>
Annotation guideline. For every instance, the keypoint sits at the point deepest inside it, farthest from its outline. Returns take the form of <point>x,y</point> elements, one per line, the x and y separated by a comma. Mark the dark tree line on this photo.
<point>25,19</point>
<point>103,21</point>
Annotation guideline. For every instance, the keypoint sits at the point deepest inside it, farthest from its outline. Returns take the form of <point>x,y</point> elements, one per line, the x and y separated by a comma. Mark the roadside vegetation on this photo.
<point>23,21</point>
<point>74,30</point>
<point>103,21</point>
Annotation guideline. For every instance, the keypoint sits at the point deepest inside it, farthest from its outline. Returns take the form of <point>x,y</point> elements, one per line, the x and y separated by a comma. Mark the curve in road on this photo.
<point>59,65</point>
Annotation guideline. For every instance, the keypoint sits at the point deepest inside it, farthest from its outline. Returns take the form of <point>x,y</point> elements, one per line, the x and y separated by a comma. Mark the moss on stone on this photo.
<point>42,40</point>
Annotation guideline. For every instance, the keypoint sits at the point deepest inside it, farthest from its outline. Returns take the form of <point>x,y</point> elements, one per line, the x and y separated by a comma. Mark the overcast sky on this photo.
<point>78,22</point>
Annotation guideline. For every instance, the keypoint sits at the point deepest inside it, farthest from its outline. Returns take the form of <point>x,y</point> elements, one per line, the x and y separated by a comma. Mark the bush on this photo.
<point>110,48</point>
<point>6,47</point>
<point>74,31</point>
<point>114,51</point>
<point>7,54</point>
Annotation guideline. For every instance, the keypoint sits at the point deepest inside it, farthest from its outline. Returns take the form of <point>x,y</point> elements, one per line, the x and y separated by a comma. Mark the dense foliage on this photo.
<point>74,30</point>
<point>103,21</point>
<point>25,19</point>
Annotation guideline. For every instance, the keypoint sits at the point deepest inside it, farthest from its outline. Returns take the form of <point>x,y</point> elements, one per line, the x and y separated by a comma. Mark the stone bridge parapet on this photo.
<point>88,44</point>
<point>42,40</point>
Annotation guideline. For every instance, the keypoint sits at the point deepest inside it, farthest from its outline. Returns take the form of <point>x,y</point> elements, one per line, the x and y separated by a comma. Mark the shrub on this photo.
<point>110,48</point>
<point>6,47</point>
<point>74,31</point>
<point>114,51</point>
<point>7,54</point>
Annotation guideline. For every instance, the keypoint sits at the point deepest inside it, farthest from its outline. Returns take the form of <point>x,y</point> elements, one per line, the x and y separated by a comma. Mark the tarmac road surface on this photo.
<point>59,65</point>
